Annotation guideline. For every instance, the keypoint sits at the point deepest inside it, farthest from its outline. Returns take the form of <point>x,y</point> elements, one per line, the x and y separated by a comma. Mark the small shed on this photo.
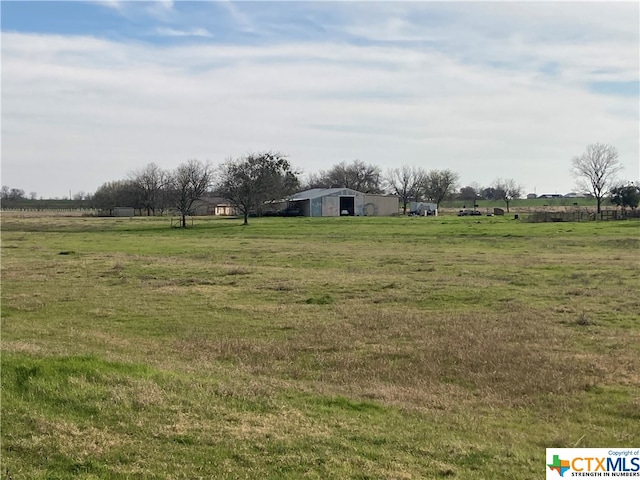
<point>124,212</point>
<point>423,208</point>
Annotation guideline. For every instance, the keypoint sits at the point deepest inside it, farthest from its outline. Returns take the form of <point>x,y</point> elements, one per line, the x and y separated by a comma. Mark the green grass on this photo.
<point>314,348</point>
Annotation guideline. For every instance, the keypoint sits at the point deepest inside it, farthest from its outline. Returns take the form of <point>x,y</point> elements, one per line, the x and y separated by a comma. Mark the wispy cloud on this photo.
<point>242,20</point>
<point>160,9</point>
<point>115,4</point>
<point>192,32</point>
<point>157,9</point>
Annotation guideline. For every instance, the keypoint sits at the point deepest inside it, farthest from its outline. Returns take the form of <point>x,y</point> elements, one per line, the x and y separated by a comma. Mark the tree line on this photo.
<point>255,179</point>
<point>247,182</point>
<point>250,181</point>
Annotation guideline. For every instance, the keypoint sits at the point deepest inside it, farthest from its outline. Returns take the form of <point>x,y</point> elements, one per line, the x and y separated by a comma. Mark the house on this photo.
<point>226,210</point>
<point>334,202</point>
<point>210,205</point>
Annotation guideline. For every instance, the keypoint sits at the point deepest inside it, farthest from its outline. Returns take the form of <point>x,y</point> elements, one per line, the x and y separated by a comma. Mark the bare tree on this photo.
<point>11,193</point>
<point>315,180</point>
<point>189,182</point>
<point>506,190</point>
<point>10,196</point>
<point>439,184</point>
<point>356,175</point>
<point>250,181</point>
<point>405,182</point>
<point>595,170</point>
<point>151,181</point>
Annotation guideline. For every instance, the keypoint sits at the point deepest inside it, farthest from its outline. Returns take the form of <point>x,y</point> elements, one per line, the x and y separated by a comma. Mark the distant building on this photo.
<point>531,196</point>
<point>550,195</point>
<point>226,210</point>
<point>423,208</point>
<point>210,205</point>
<point>124,212</point>
<point>117,212</point>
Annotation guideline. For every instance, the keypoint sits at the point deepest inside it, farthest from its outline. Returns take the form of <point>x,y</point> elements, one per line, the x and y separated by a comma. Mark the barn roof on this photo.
<point>323,192</point>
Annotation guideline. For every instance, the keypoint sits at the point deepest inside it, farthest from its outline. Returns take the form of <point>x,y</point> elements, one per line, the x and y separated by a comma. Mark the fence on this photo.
<point>177,222</point>
<point>582,216</point>
<point>47,209</point>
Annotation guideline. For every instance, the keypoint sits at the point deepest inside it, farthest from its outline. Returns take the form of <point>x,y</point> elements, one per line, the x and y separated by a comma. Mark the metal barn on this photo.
<point>334,202</point>
<point>381,205</point>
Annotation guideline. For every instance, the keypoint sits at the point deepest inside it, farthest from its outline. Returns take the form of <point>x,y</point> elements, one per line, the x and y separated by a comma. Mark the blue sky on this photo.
<point>94,90</point>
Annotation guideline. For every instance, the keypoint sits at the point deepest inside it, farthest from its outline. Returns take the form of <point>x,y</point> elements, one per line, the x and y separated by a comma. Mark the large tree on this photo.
<point>490,193</point>
<point>439,184</point>
<point>250,181</point>
<point>151,182</point>
<point>626,196</point>
<point>356,175</point>
<point>119,193</point>
<point>595,170</point>
<point>405,182</point>
<point>187,183</point>
<point>470,192</point>
<point>506,190</point>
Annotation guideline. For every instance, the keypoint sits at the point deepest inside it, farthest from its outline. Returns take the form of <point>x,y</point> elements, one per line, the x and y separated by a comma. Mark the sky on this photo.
<point>92,91</point>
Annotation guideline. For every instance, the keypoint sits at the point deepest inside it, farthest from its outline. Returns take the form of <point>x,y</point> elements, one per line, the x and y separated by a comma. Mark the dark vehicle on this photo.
<point>464,213</point>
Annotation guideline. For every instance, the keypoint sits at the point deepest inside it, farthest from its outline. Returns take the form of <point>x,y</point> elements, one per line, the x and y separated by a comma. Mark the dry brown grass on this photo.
<point>417,359</point>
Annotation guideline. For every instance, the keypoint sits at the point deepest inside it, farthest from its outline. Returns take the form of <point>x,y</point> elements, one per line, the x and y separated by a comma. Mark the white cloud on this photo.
<point>81,111</point>
<point>587,41</point>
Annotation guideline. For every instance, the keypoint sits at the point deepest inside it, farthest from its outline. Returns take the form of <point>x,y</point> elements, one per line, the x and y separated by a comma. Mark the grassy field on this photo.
<point>405,348</point>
